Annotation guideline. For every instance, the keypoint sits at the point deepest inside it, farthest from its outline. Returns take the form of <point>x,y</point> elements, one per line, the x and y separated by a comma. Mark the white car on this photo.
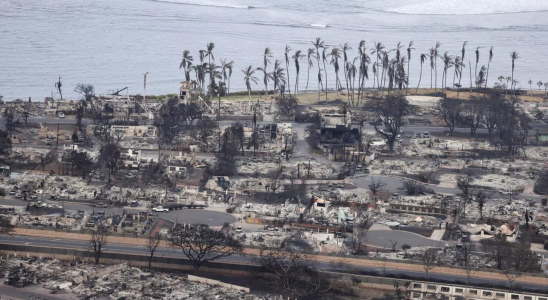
<point>160,209</point>
<point>61,115</point>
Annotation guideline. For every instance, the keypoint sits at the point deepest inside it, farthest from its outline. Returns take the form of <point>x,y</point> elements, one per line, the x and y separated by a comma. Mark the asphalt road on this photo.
<point>133,249</point>
<point>185,216</point>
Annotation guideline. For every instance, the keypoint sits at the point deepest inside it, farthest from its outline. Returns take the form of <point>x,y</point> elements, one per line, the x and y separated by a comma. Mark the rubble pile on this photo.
<point>122,282</point>
<point>509,211</point>
<point>22,271</point>
<point>406,219</point>
<point>55,221</point>
<point>494,181</point>
<point>397,166</point>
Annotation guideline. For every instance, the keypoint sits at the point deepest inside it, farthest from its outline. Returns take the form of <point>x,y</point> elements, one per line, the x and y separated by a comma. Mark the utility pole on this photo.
<point>145,88</point>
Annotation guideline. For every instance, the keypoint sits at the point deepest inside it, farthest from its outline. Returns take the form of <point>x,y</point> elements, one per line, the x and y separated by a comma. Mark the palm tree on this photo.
<point>447,63</point>
<point>278,75</point>
<point>488,65</point>
<point>530,82</point>
<point>379,47</point>
<point>514,56</point>
<point>436,48</point>
<point>545,87</point>
<point>187,58</point>
<point>335,56</point>
<point>539,84</point>
<point>202,55</point>
<point>477,60</point>
<point>296,57</point>
<point>365,60</point>
<point>249,78</point>
<point>214,73</point>
<point>385,66</point>
<point>463,52</point>
<point>431,56</point>
<point>266,77</point>
<point>224,67</point>
<point>344,49</point>
<point>287,50</point>
<point>318,44</point>
<point>409,48</point>
<point>209,51</point>
<point>266,60</point>
<point>424,57</point>
<point>459,64</point>
<point>351,70</point>
<point>311,54</point>
<point>324,59</point>
<point>230,65</point>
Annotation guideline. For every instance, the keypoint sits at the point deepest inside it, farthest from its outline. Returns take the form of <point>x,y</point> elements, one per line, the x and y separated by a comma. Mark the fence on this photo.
<point>359,257</point>
<point>130,258</point>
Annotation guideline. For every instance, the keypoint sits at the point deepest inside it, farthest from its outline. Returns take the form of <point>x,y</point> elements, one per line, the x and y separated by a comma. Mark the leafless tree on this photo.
<point>388,116</point>
<point>464,253</point>
<point>470,270</point>
<point>465,184</point>
<point>98,240</point>
<point>47,158</point>
<point>497,248</point>
<point>472,116</point>
<point>86,90</point>
<point>313,137</point>
<point>429,259</point>
<point>289,141</point>
<point>511,275</point>
<point>481,198</point>
<point>413,188</point>
<point>201,244</point>
<point>375,187</point>
<point>287,104</point>
<point>449,112</point>
<point>394,244</point>
<point>119,135</point>
<point>203,132</point>
<point>5,225</point>
<point>153,242</point>
<point>294,272</point>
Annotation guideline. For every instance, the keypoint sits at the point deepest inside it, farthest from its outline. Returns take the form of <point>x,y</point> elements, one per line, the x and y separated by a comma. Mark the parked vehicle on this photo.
<point>160,209</point>
<point>61,115</point>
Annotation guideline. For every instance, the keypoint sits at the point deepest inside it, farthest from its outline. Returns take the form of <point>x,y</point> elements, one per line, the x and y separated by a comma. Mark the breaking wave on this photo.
<point>472,7</point>
<point>208,4</point>
<point>319,25</point>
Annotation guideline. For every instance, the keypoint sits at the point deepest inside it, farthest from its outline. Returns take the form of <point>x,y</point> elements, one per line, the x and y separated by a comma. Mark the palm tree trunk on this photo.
<point>436,72</point>
<point>470,66</point>
<point>289,85</point>
<point>325,72</point>
<point>487,76</point>
<point>308,75</point>
<point>407,86</point>
<point>420,77</point>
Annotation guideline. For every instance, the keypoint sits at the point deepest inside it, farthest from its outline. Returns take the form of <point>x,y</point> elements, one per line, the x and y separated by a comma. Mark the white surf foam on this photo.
<point>214,4</point>
<point>472,7</point>
<point>318,25</point>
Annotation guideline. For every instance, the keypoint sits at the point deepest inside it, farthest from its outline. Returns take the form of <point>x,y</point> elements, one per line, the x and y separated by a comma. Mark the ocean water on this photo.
<point>110,44</point>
